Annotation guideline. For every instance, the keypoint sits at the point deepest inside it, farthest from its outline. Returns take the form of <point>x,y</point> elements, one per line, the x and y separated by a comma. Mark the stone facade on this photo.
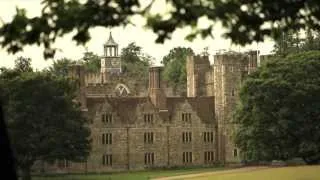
<point>138,125</point>
<point>223,80</point>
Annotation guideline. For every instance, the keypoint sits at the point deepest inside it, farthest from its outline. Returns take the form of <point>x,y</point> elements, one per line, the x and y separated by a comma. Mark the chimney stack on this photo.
<point>156,91</point>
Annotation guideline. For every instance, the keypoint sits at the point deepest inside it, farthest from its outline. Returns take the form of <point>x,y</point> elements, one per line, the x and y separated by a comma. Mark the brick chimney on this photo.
<point>156,91</point>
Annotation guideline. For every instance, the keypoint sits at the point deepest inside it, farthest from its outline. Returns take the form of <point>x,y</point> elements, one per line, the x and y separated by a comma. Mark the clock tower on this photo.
<point>110,62</point>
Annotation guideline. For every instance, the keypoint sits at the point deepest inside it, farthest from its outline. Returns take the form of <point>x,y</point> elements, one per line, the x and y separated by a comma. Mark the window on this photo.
<point>107,138</point>
<point>186,117</point>
<point>63,163</point>
<point>107,118</point>
<point>107,160</point>
<point>148,118</point>
<point>186,137</point>
<point>232,92</point>
<point>208,156</point>
<point>208,137</point>
<point>148,137</point>
<point>187,157</point>
<point>235,153</point>
<point>149,158</point>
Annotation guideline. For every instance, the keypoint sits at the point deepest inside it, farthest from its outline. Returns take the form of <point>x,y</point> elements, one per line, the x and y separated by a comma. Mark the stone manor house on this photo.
<point>137,125</point>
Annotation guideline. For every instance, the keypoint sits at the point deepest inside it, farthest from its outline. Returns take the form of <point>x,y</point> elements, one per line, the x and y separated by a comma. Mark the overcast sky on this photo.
<point>122,35</point>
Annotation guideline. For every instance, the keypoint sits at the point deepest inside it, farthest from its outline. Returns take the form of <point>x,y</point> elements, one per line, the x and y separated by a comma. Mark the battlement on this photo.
<point>198,60</point>
<point>92,78</point>
<point>229,58</point>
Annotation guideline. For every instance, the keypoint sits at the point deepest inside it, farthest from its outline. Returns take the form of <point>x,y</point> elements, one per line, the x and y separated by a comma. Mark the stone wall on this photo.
<point>197,68</point>
<point>128,147</point>
<point>197,145</point>
<point>229,72</point>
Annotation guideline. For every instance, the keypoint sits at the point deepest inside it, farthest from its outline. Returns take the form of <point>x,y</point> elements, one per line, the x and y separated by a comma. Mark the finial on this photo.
<point>111,41</point>
<point>110,36</point>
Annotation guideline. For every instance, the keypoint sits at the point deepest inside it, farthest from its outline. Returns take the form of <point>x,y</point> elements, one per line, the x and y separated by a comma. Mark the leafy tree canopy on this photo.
<point>279,110</point>
<point>175,68</point>
<point>245,21</point>
<point>60,67</point>
<point>134,62</point>
<point>43,121</point>
<point>23,64</point>
<point>92,62</point>
<point>131,53</point>
<point>292,42</point>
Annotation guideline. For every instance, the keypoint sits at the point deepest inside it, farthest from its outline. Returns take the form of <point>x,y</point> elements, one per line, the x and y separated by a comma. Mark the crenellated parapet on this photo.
<point>248,60</point>
<point>92,78</point>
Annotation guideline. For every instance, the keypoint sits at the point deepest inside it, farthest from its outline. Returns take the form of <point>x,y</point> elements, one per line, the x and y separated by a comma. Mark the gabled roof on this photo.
<point>203,106</point>
<point>111,41</point>
<point>126,108</point>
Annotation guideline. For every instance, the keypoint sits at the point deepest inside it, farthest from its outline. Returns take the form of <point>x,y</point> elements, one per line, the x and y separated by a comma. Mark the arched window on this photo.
<point>122,90</point>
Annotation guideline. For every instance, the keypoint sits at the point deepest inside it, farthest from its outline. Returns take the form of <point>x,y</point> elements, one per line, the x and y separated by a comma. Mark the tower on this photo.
<point>76,72</point>
<point>197,68</point>
<point>229,71</point>
<point>110,62</point>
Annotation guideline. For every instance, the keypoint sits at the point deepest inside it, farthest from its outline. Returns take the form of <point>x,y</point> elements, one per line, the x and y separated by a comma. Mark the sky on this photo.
<point>122,35</point>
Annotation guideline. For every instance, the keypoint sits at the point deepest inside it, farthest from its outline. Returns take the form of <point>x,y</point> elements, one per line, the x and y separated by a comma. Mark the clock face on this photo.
<point>115,63</point>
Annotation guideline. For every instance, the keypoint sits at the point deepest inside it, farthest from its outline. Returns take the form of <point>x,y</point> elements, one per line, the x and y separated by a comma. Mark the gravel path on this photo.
<point>246,169</point>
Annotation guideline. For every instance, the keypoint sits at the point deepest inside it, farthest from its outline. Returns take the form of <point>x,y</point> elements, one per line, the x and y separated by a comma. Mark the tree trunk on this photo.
<point>25,173</point>
<point>6,155</point>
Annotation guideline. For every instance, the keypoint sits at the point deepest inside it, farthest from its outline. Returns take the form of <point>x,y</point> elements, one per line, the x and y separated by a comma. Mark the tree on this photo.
<point>245,21</point>
<point>134,62</point>
<point>44,123</point>
<point>311,41</point>
<point>175,68</point>
<point>293,42</point>
<point>131,53</point>
<point>23,64</point>
<point>279,110</point>
<point>60,67</point>
<point>92,62</point>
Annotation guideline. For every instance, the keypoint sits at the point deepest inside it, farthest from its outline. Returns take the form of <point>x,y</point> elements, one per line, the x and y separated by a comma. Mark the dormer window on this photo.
<point>148,118</point>
<point>186,117</point>
<point>107,118</point>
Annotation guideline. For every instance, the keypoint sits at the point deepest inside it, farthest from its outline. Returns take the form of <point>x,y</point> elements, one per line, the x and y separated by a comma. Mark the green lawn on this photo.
<point>285,173</point>
<point>140,175</point>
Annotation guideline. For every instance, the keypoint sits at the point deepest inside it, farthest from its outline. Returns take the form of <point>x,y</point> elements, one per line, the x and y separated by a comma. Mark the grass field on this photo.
<point>142,175</point>
<point>285,173</point>
<point>282,173</point>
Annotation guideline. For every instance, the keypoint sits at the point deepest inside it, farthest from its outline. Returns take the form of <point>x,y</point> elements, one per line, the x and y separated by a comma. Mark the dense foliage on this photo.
<point>134,62</point>
<point>245,21</point>
<point>295,41</point>
<point>60,67</point>
<point>43,121</point>
<point>175,72</point>
<point>279,110</point>
<point>92,62</point>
